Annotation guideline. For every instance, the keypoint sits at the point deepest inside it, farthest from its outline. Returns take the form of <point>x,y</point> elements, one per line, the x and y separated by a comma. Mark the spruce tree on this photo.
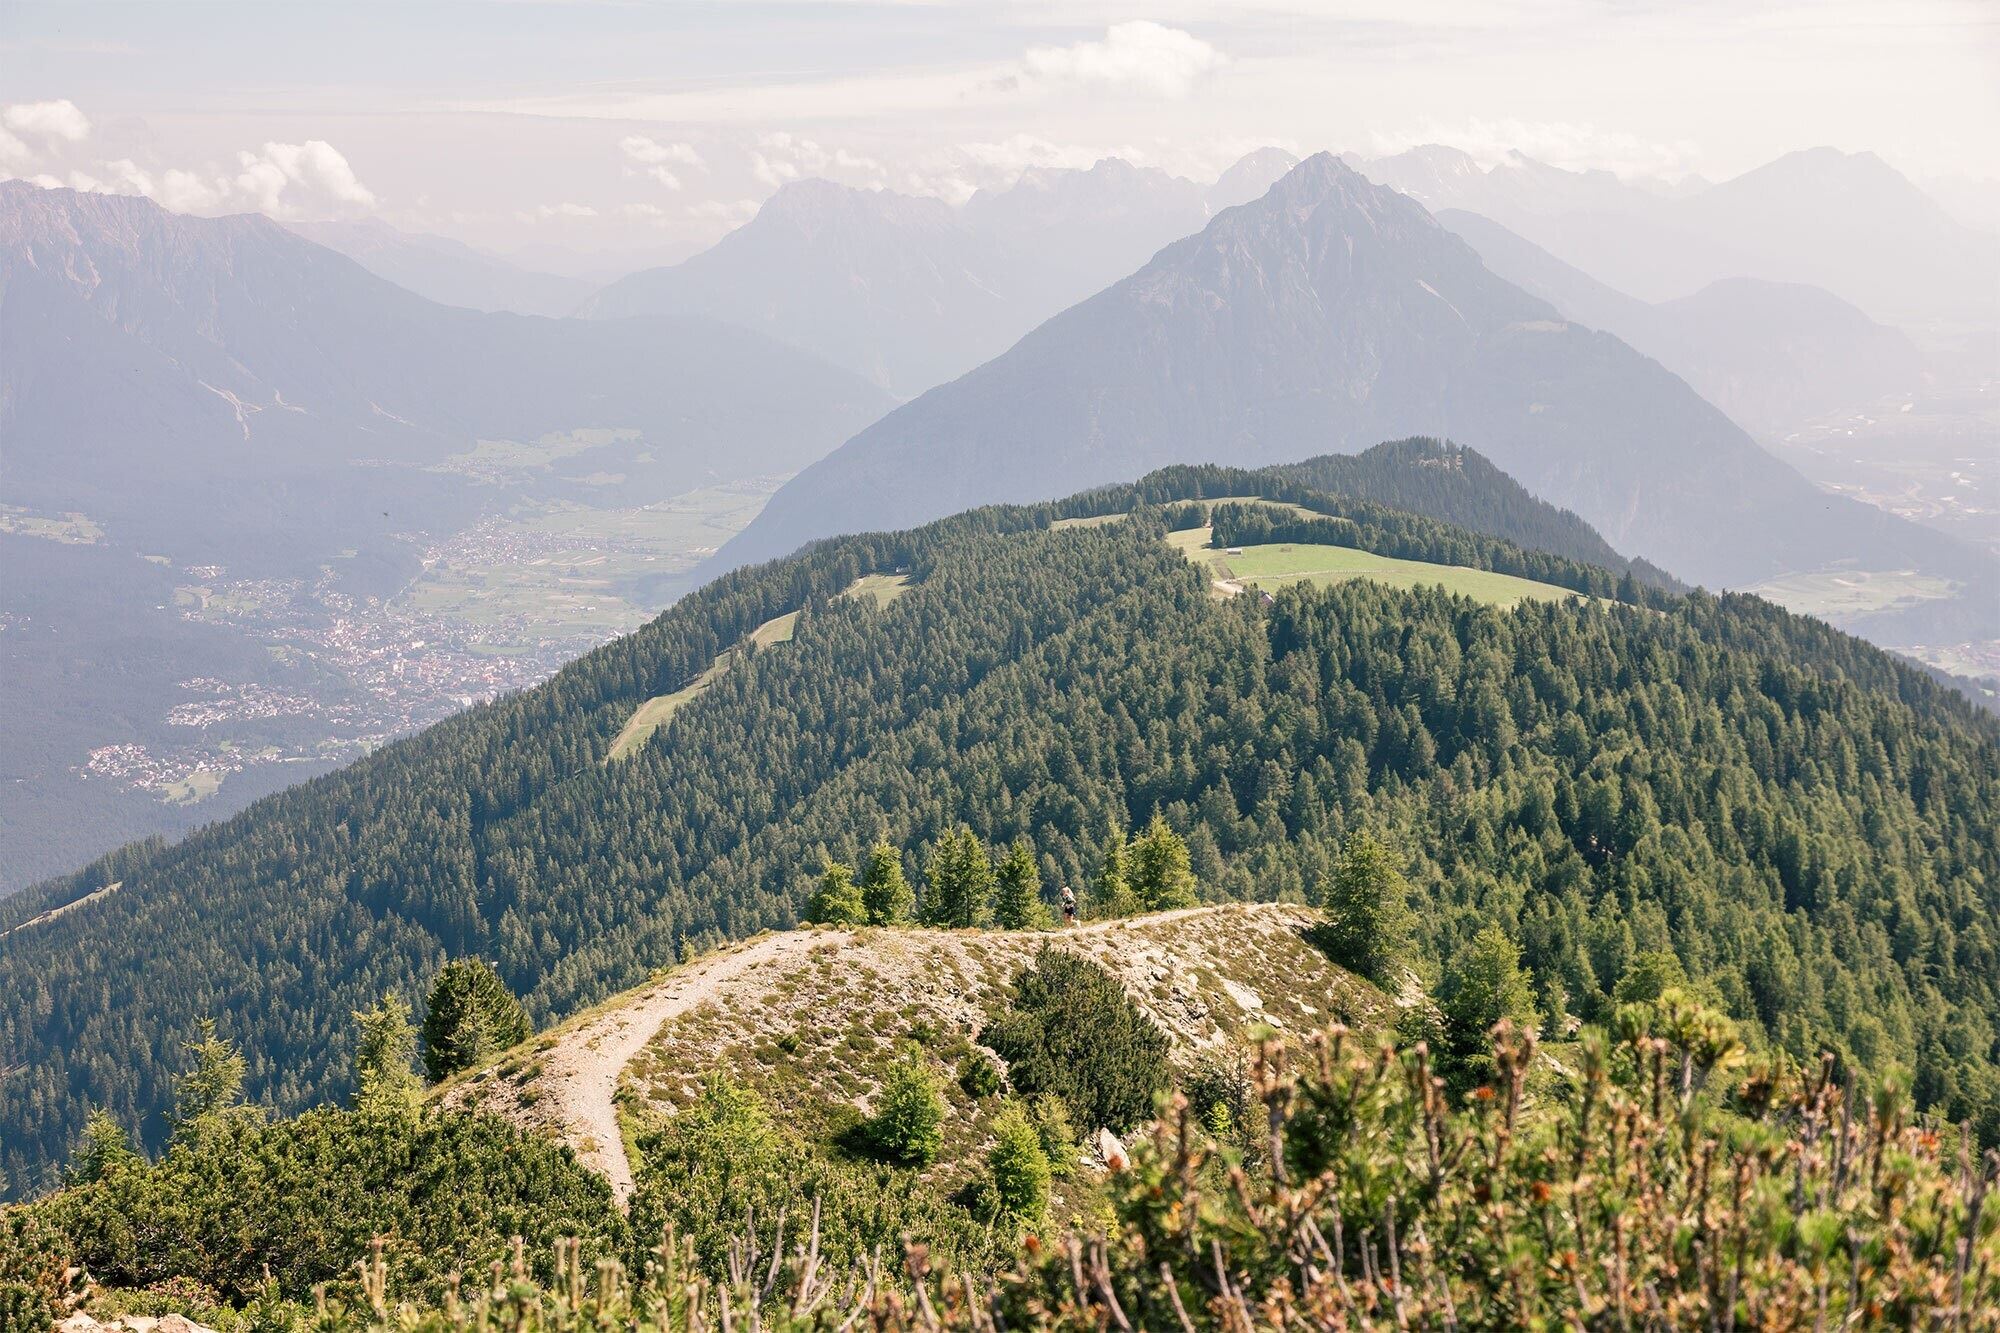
<point>470,1015</point>
<point>958,881</point>
<point>884,891</point>
<point>1019,1168</point>
<point>1367,906</point>
<point>104,1149</point>
<point>1160,872</point>
<point>1110,893</point>
<point>215,1085</point>
<point>1485,984</point>
<point>1017,898</point>
<point>908,1124</point>
<point>837,900</point>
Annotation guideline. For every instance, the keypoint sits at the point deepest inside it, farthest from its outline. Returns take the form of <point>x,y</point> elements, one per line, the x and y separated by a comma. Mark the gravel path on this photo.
<point>575,1089</point>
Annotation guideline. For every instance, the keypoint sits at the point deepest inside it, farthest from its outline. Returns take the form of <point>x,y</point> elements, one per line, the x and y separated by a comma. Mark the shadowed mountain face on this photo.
<point>910,292</point>
<point>1327,315</point>
<point>1772,355</point>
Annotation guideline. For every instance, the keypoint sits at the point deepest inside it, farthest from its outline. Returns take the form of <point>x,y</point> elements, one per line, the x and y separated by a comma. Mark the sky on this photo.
<point>593,131</point>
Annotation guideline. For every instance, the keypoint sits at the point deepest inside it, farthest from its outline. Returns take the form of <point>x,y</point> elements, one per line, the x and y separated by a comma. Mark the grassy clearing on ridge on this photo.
<point>1279,563</point>
<point>657,711</point>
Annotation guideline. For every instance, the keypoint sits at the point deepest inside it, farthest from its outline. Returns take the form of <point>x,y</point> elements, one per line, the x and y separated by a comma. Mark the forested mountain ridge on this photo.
<point>1461,486</point>
<point>1807,824</point>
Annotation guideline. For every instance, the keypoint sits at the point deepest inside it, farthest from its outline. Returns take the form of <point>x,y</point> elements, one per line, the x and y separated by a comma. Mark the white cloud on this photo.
<point>1139,53</point>
<point>656,160</point>
<point>289,179</point>
<point>723,210</point>
<point>549,212</point>
<point>185,192</point>
<point>782,157</point>
<point>49,122</point>
<point>12,149</point>
<point>641,149</point>
<point>126,177</point>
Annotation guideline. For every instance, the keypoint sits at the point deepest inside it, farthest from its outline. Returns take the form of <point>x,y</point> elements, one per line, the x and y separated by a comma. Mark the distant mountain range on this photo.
<point>1330,313</point>
<point>221,394</point>
<point>1847,222</point>
<point>449,272</point>
<point>1770,354</point>
<point>216,387</point>
<point>910,292</point>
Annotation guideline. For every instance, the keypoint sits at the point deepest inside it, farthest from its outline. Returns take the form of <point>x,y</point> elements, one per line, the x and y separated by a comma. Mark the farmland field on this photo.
<point>1833,592</point>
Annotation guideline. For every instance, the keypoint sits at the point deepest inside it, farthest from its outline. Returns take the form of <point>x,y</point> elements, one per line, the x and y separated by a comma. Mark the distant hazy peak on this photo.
<point>1249,177</point>
<point>1324,179</point>
<point>1108,170</point>
<point>1110,187</point>
<point>1443,159</point>
<point>816,201</point>
<point>1854,173</point>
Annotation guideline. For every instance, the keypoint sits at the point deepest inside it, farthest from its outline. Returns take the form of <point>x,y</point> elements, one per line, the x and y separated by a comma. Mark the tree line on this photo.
<point>967,884</point>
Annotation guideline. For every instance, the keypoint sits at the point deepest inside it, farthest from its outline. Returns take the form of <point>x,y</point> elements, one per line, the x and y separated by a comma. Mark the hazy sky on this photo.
<point>653,125</point>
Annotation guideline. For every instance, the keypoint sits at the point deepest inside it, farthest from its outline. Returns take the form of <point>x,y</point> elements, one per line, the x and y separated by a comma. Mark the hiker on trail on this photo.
<point>1068,905</point>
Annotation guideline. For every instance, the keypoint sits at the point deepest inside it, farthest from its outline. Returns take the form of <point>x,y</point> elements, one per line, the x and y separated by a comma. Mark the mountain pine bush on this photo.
<point>1071,1030</point>
<point>1619,1199</point>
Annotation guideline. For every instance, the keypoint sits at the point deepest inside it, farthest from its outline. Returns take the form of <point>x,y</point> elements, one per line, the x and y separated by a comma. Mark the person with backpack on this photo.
<point>1068,905</point>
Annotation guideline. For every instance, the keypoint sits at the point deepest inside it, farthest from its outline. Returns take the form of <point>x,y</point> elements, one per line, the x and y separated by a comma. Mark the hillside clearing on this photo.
<point>43,918</point>
<point>1277,564</point>
<point>882,589</point>
<point>657,711</point>
<point>811,1018</point>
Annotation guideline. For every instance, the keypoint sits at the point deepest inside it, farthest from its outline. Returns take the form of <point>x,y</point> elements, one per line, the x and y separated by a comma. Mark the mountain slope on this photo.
<point>1329,314</point>
<point>1461,487</point>
<point>1709,777</point>
<point>446,271</point>
<point>1771,355</point>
